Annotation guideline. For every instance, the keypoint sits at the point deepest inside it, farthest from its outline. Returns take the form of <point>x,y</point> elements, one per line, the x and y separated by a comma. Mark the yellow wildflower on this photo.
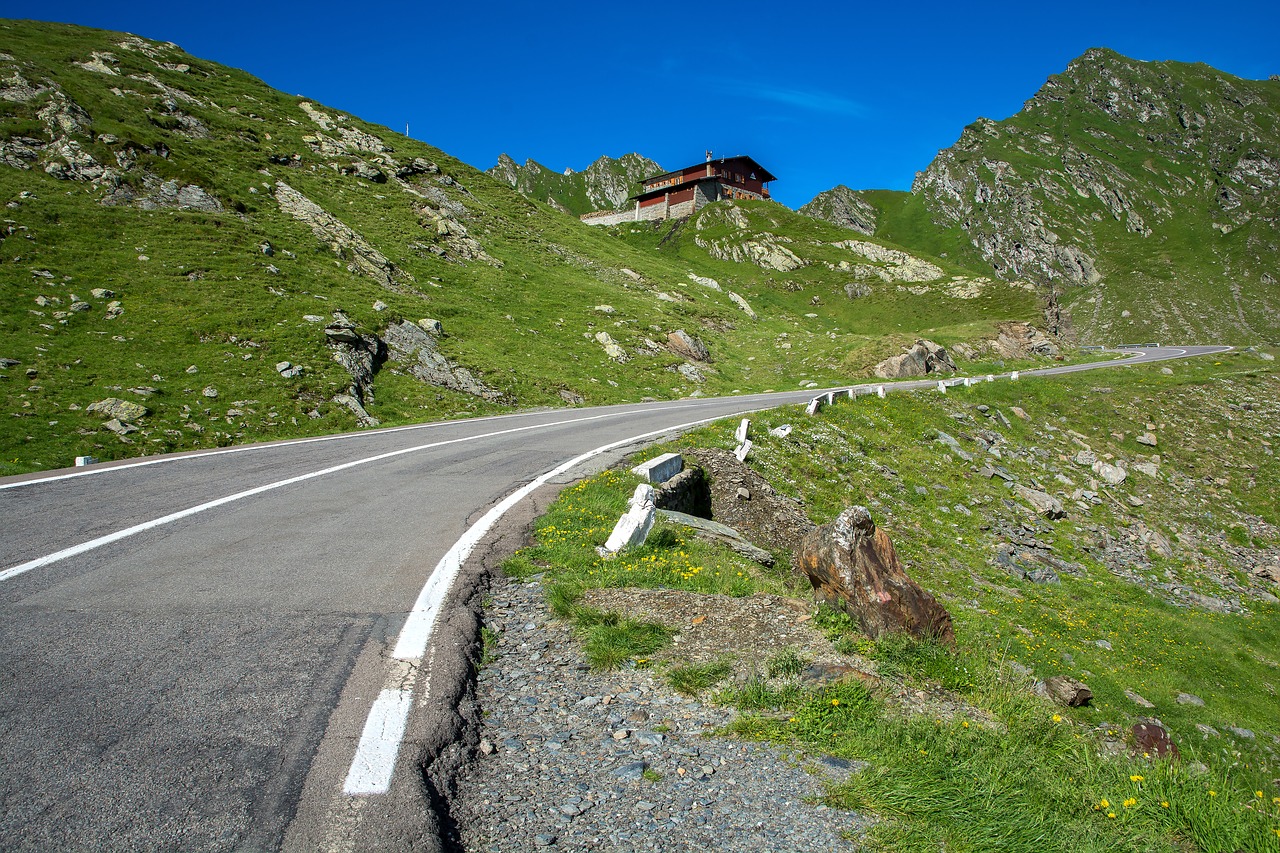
<point>1057,718</point>
<point>1135,778</point>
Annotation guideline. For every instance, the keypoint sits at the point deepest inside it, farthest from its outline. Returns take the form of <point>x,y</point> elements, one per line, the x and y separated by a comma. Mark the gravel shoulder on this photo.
<point>572,759</point>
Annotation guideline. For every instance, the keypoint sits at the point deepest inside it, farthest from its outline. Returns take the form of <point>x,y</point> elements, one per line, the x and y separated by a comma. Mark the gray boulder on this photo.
<point>921,358</point>
<point>113,407</point>
<point>687,346</point>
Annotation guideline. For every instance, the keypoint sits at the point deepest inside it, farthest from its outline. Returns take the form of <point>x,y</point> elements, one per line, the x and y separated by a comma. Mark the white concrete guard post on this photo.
<point>743,450</point>
<point>880,391</point>
<point>942,386</point>
<point>812,408</point>
<point>634,525</point>
<point>853,393</point>
<point>82,461</point>
<point>740,434</point>
<point>660,468</point>
<point>831,398</point>
<point>1014,376</point>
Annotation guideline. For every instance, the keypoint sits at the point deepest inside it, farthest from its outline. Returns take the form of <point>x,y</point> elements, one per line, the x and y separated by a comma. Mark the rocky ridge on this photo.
<point>1110,169</point>
<point>606,184</point>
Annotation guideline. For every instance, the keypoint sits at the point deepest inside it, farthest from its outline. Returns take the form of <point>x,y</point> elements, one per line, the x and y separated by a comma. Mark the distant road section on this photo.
<point>189,643</point>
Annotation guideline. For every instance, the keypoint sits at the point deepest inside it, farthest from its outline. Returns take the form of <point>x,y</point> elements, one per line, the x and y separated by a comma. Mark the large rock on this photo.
<point>853,565</point>
<point>720,534</point>
<point>686,346</point>
<point>1044,503</point>
<point>1067,691</point>
<point>921,358</point>
<point>412,349</point>
<point>113,407</point>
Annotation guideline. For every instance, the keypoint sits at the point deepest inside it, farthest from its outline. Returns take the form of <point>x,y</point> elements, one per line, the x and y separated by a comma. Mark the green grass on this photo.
<point>695,678</point>
<point>1004,769</point>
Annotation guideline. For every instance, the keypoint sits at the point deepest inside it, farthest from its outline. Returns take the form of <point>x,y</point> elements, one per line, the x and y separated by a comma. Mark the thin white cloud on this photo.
<point>812,100</point>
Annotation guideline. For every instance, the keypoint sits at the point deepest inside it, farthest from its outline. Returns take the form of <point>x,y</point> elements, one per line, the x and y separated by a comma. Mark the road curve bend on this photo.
<point>224,650</point>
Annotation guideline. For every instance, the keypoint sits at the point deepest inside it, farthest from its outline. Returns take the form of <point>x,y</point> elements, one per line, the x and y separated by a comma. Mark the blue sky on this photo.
<point>819,93</point>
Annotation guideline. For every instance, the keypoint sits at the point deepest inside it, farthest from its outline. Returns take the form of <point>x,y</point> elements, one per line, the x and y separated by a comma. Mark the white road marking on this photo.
<point>370,771</point>
<point>72,551</point>
<point>376,760</point>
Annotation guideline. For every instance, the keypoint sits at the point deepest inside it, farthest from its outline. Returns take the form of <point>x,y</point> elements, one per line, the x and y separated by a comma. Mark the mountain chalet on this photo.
<point>683,192</point>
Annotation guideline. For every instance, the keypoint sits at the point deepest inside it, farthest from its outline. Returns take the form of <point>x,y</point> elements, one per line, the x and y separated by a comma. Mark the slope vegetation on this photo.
<point>239,264</point>
<point>1143,194</point>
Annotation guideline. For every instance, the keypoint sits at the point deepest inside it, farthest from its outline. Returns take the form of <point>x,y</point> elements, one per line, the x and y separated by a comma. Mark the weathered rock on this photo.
<point>743,304</point>
<point>853,565</point>
<point>357,409</point>
<point>1067,691</point>
<point>113,407</point>
<point>1189,699</point>
<point>687,346</point>
<point>1147,438</point>
<point>921,358</point>
<point>1112,475</point>
<point>1044,503</point>
<point>409,345</point>
<point>360,355</point>
<point>844,207</point>
<point>713,531</point>
<point>340,237</point>
<point>1137,699</point>
<point>1151,739</point>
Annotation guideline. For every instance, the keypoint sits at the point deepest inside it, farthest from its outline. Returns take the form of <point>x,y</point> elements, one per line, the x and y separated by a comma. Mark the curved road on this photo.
<point>223,650</point>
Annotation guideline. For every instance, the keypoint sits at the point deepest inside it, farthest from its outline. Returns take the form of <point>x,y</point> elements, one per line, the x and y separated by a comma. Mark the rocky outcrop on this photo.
<point>607,184</point>
<point>412,350</point>
<point>1157,167</point>
<point>327,228</point>
<point>853,565</point>
<point>921,358</point>
<point>844,207</point>
<point>888,265</point>
<point>360,354</point>
<point>765,251</point>
<point>113,407</point>
<point>686,346</point>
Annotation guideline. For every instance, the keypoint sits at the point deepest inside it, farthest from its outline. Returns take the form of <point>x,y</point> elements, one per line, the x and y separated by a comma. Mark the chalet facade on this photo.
<point>683,192</point>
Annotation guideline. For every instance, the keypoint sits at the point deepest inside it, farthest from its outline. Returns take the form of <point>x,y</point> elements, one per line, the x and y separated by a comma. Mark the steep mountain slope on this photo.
<point>844,207</point>
<point>1146,194</point>
<point>189,258</point>
<point>604,185</point>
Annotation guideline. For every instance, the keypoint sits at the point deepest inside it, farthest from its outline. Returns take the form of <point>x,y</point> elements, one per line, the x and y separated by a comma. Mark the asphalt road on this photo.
<point>192,647</point>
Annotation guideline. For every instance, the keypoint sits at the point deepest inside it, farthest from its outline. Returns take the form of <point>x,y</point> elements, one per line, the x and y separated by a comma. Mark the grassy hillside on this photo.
<point>179,235</point>
<point>1160,595</point>
<point>1142,196</point>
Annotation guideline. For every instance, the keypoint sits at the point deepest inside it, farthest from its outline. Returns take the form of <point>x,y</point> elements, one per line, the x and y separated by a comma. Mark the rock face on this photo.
<point>844,207</point>
<point>606,184</point>
<point>411,349</point>
<point>921,358</point>
<point>340,238</point>
<point>686,346</point>
<point>360,354</point>
<point>853,565</point>
<point>1157,164</point>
